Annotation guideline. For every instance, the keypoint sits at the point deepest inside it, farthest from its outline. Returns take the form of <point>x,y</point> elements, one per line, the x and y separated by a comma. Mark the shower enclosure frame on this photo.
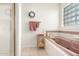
<point>12,31</point>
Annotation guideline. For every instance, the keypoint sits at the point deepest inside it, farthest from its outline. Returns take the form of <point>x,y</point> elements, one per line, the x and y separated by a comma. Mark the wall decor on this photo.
<point>31,14</point>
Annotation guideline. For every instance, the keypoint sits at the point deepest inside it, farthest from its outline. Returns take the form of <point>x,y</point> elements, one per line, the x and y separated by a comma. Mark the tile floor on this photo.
<point>33,52</point>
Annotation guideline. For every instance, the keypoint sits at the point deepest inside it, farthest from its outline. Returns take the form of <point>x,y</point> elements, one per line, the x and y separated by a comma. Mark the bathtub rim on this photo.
<point>61,48</point>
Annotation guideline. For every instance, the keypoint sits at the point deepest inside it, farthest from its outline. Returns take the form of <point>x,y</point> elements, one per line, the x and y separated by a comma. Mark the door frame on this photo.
<point>12,31</point>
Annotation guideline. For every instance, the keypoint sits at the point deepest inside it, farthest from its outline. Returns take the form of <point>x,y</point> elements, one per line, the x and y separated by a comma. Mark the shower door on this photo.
<point>7,29</point>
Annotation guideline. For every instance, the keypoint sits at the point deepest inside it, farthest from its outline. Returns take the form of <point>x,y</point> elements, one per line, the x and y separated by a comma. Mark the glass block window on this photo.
<point>71,14</point>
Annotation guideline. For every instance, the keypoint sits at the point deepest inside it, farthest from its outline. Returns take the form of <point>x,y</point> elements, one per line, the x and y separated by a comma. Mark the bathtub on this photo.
<point>53,48</point>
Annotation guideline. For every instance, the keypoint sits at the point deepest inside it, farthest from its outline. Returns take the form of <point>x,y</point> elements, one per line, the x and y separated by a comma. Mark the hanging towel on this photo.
<point>33,25</point>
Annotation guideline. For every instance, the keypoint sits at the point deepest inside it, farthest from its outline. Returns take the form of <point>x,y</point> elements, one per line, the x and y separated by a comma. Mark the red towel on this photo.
<point>33,25</point>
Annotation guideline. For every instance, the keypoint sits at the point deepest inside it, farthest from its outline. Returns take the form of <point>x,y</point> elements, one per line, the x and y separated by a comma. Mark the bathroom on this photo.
<point>27,23</point>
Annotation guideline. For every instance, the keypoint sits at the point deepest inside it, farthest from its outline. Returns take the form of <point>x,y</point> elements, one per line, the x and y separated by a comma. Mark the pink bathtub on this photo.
<point>68,44</point>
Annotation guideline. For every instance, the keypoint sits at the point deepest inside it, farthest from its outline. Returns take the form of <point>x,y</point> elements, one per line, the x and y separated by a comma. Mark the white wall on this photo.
<point>47,14</point>
<point>17,31</point>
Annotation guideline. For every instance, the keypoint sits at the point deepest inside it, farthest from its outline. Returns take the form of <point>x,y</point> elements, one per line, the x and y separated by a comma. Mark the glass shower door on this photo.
<point>6,29</point>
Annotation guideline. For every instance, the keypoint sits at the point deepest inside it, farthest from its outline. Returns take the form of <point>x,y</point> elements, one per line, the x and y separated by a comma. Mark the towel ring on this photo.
<point>31,14</point>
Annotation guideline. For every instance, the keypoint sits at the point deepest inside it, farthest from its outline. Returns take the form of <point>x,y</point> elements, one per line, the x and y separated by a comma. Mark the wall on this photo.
<point>47,14</point>
<point>17,30</point>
